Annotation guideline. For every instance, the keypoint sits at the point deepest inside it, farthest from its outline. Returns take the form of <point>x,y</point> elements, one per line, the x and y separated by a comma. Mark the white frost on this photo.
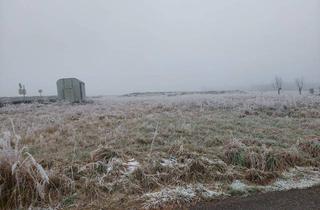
<point>297,178</point>
<point>132,165</point>
<point>238,186</point>
<point>177,195</point>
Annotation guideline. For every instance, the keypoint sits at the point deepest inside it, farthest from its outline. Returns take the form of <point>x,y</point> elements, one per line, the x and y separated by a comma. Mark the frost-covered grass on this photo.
<point>178,195</point>
<point>297,178</point>
<point>121,152</point>
<point>23,181</point>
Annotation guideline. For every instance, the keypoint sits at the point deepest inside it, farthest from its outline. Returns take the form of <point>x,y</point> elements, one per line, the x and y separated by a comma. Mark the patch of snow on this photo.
<point>297,178</point>
<point>294,184</point>
<point>171,162</point>
<point>132,165</point>
<point>113,163</point>
<point>177,195</point>
<point>238,186</point>
<point>167,195</point>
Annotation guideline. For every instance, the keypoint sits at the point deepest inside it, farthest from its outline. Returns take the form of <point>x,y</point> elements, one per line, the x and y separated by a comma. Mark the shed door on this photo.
<point>68,90</point>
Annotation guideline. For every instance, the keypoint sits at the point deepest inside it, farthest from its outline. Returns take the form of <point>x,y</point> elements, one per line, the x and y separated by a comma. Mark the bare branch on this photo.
<point>299,83</point>
<point>278,84</point>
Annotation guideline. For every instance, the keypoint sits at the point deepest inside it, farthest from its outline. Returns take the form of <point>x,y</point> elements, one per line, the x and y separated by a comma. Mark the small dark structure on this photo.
<point>71,89</point>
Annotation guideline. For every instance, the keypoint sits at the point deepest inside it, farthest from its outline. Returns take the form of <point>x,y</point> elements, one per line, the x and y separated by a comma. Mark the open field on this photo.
<point>157,151</point>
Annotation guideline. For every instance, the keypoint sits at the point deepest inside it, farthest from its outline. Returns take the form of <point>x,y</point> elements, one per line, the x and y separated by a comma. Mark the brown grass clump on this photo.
<point>261,158</point>
<point>142,182</point>
<point>312,147</point>
<point>204,169</point>
<point>265,164</point>
<point>255,160</point>
<point>235,153</point>
<point>260,177</point>
<point>280,160</point>
<point>188,168</point>
<point>103,153</point>
<point>157,172</point>
<point>22,180</point>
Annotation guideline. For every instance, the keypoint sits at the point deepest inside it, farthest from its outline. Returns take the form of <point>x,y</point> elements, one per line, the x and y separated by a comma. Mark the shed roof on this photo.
<point>70,78</point>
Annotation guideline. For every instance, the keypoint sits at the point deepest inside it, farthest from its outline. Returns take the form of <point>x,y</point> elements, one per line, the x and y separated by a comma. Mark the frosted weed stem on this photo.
<point>153,139</point>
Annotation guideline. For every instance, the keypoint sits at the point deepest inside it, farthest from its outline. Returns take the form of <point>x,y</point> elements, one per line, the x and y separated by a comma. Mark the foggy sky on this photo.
<point>123,46</point>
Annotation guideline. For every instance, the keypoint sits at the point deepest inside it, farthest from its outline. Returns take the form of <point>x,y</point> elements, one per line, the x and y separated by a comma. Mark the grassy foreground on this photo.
<point>153,152</point>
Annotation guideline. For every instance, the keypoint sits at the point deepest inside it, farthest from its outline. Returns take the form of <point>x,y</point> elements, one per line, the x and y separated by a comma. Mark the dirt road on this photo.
<point>290,200</point>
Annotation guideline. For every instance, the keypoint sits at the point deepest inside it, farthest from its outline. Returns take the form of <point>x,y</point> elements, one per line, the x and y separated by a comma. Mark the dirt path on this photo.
<point>294,199</point>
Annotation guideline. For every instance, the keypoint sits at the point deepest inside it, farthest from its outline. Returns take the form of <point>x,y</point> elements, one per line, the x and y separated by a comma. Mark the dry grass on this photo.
<point>312,147</point>
<point>147,151</point>
<point>22,179</point>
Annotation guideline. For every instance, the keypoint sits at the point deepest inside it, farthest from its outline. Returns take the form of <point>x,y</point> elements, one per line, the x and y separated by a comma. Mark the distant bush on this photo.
<point>311,90</point>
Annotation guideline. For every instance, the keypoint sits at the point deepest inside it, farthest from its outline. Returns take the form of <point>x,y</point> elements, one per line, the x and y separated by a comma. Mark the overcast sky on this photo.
<point>122,46</point>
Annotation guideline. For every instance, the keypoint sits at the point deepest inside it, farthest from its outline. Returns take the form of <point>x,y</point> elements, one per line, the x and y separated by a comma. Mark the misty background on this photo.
<point>122,46</point>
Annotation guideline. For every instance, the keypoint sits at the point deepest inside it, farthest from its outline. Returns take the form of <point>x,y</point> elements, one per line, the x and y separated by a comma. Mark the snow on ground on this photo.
<point>178,195</point>
<point>297,178</point>
<point>294,178</point>
<point>132,165</point>
<point>237,185</point>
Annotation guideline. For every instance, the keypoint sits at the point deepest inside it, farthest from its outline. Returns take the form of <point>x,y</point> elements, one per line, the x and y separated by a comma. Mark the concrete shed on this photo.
<point>71,89</point>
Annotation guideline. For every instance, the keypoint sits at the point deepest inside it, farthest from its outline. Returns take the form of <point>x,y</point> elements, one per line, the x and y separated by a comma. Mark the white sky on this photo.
<point>122,46</point>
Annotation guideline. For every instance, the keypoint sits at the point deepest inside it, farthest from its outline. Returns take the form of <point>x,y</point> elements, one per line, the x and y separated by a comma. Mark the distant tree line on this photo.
<point>299,83</point>
<point>22,90</point>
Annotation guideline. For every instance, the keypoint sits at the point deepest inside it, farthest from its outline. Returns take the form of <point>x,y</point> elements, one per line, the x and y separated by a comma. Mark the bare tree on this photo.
<point>299,83</point>
<point>22,90</point>
<point>40,92</point>
<point>278,84</point>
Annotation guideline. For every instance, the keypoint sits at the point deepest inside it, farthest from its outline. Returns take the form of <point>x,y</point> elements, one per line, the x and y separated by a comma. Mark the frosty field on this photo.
<point>148,152</point>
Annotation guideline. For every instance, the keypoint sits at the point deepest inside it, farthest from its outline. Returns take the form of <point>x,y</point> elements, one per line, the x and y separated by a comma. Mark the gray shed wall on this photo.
<point>71,89</point>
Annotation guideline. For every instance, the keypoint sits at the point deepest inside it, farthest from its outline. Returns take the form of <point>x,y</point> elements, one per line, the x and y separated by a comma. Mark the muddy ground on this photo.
<point>292,199</point>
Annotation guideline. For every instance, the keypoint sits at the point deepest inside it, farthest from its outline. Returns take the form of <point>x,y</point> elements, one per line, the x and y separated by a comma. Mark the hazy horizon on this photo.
<point>118,47</point>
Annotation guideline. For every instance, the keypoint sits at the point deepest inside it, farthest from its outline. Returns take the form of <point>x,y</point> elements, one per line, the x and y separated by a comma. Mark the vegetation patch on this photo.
<point>23,181</point>
<point>121,152</point>
<point>312,147</point>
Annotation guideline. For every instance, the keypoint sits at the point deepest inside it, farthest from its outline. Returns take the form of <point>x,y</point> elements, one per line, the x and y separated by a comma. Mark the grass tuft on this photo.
<point>22,180</point>
<point>312,147</point>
